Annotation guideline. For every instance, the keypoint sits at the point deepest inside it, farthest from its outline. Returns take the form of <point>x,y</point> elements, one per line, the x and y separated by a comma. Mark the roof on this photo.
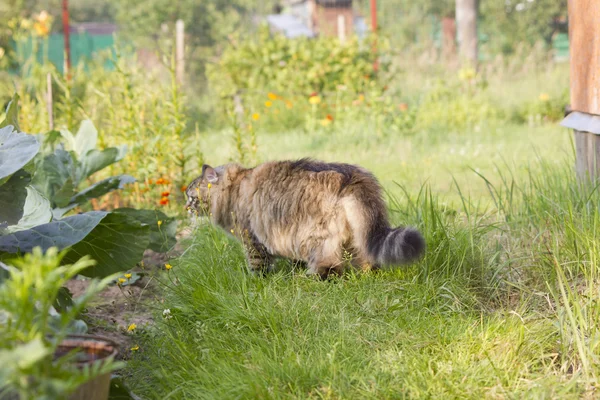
<point>289,25</point>
<point>335,3</point>
<point>94,28</point>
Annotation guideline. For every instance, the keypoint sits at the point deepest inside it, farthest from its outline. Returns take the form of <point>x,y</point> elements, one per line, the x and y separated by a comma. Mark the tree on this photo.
<point>466,19</point>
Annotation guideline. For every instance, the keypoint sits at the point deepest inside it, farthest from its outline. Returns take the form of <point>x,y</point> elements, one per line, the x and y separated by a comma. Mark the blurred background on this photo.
<point>244,80</point>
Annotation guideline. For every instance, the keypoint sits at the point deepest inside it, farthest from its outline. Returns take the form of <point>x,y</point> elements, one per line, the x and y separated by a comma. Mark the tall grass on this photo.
<point>503,305</point>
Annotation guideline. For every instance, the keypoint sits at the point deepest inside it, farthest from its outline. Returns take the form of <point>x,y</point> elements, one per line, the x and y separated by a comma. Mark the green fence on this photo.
<point>83,48</point>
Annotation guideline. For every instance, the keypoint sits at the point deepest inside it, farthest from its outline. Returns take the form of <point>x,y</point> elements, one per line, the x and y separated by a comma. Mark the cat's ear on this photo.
<point>209,173</point>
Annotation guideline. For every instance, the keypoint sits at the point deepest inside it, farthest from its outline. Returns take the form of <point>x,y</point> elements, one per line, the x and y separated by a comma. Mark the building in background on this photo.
<point>312,18</point>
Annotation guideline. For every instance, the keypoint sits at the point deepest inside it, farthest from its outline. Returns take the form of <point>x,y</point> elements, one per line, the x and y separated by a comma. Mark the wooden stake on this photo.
<point>179,47</point>
<point>49,103</point>
<point>341,28</point>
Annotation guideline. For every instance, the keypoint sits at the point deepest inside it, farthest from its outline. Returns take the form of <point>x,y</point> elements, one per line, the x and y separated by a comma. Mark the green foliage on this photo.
<point>32,331</point>
<point>272,63</point>
<point>45,185</point>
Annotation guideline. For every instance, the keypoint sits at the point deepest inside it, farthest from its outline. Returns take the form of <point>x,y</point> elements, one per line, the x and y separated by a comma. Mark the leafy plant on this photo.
<point>41,179</point>
<point>32,330</point>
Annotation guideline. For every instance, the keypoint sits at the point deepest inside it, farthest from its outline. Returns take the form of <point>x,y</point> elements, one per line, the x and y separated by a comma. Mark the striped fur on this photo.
<point>304,210</point>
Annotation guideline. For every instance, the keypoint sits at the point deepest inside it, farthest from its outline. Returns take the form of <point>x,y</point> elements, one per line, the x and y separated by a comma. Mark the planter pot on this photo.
<point>92,349</point>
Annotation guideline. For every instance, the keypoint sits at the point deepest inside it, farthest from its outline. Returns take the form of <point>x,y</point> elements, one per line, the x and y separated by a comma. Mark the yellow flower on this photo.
<point>128,276</point>
<point>41,28</point>
<point>272,96</point>
<point>168,266</point>
<point>256,116</point>
<point>135,348</point>
<point>232,231</point>
<point>25,23</point>
<point>122,280</point>
<point>466,74</point>
<point>268,103</point>
<point>131,327</point>
<point>314,100</point>
<point>325,121</point>
<point>544,97</point>
<point>43,16</point>
<point>361,97</point>
<point>159,223</point>
<point>209,185</point>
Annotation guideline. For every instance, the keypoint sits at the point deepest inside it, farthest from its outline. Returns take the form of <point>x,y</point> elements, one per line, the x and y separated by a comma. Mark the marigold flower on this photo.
<point>183,188</point>
<point>314,99</point>
<point>128,276</point>
<point>131,327</point>
<point>164,201</point>
<point>268,103</point>
<point>166,193</point>
<point>150,182</point>
<point>272,96</point>
<point>329,117</point>
<point>256,116</point>
<point>135,348</point>
<point>168,266</point>
<point>162,181</point>
<point>41,29</point>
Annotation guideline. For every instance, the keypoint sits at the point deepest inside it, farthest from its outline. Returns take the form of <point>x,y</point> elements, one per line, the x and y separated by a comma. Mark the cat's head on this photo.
<point>199,191</point>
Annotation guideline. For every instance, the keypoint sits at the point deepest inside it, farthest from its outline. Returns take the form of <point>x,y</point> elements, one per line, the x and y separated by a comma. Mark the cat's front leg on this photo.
<point>260,261</point>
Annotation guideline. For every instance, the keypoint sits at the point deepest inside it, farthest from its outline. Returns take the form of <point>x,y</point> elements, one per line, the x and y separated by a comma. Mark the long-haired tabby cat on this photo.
<point>304,210</point>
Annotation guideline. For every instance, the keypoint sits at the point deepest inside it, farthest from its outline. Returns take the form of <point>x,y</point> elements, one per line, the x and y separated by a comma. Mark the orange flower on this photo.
<point>329,117</point>
<point>150,182</point>
<point>41,28</point>
<point>166,193</point>
<point>162,181</point>
<point>403,107</point>
<point>164,201</point>
<point>268,103</point>
<point>272,96</point>
<point>183,188</point>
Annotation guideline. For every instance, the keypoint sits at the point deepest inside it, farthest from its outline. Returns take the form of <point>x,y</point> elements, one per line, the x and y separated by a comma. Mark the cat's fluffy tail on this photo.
<point>395,245</point>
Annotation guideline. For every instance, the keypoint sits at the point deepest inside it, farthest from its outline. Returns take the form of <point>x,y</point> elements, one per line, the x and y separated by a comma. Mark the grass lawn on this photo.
<point>501,307</point>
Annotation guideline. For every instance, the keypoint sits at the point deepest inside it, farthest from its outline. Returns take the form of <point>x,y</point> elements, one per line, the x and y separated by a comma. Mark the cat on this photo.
<point>323,214</point>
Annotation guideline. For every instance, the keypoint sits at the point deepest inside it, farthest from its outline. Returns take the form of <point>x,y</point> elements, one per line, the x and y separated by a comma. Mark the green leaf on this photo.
<point>16,150</point>
<point>64,300</point>
<point>37,211</point>
<point>24,356</point>
<point>117,244</point>
<point>52,172</point>
<point>12,197</point>
<point>12,113</point>
<point>63,196</point>
<point>62,233</point>
<point>162,237</point>
<point>86,138</point>
<point>96,160</point>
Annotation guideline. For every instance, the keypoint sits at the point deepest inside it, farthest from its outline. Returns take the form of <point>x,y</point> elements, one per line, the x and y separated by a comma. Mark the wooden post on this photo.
<point>584,55</point>
<point>374,29</point>
<point>49,103</point>
<point>341,28</point>
<point>466,19</point>
<point>179,51</point>
<point>66,33</point>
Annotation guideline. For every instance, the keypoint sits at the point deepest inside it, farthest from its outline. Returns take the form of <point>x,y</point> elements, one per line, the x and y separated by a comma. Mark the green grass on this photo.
<point>503,305</point>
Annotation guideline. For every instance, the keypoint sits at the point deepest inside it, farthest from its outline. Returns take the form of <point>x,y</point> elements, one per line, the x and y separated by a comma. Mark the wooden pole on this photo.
<point>374,29</point>
<point>49,104</point>
<point>341,28</point>
<point>466,20</point>
<point>179,51</point>
<point>65,18</point>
